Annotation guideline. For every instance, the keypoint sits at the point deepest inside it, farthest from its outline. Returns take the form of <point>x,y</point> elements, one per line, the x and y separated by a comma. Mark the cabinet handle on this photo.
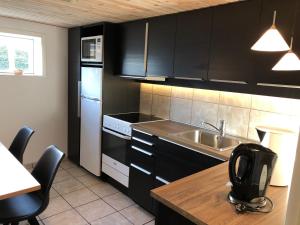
<point>146,46</point>
<point>141,150</point>
<point>140,169</point>
<point>228,81</point>
<point>279,85</point>
<point>188,78</point>
<point>78,99</point>
<point>142,141</point>
<point>143,132</point>
<point>162,180</point>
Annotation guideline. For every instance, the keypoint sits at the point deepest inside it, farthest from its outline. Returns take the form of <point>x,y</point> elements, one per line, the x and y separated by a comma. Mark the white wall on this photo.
<point>39,102</point>
<point>293,210</point>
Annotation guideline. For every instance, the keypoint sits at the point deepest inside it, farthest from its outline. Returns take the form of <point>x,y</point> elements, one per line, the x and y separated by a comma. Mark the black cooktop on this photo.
<point>135,117</point>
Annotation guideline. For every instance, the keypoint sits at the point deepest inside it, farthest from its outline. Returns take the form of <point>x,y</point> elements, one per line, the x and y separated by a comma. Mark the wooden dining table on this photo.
<point>14,177</point>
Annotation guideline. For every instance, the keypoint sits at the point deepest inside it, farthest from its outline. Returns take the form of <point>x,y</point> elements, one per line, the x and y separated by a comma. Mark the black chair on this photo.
<point>28,206</point>
<point>20,142</point>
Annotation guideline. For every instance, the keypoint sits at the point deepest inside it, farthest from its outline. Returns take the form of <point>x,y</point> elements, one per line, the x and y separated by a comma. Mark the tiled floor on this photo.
<point>79,198</point>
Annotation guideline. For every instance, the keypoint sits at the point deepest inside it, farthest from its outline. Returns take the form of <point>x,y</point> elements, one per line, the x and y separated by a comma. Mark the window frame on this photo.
<point>43,48</point>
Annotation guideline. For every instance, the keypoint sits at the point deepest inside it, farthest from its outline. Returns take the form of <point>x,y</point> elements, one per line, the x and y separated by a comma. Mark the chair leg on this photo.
<point>33,221</point>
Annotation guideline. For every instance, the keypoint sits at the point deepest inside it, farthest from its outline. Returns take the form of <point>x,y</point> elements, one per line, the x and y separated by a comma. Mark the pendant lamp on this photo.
<point>289,62</point>
<point>271,40</point>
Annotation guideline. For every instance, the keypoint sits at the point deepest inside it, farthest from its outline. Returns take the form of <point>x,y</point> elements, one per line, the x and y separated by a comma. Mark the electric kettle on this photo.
<point>251,176</point>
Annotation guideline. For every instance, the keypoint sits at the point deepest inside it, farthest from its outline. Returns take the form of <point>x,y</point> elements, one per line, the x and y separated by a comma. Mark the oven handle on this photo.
<point>116,134</point>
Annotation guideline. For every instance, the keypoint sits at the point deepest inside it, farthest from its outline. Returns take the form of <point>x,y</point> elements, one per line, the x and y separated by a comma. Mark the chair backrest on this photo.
<point>46,169</point>
<point>20,142</point>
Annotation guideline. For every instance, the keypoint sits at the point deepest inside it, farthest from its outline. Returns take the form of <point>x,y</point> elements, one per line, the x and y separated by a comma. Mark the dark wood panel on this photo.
<point>192,44</point>
<point>161,44</point>
<point>132,48</point>
<point>235,28</point>
<point>73,78</point>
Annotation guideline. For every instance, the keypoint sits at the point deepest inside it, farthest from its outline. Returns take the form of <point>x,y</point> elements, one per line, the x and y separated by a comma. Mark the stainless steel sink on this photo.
<point>211,140</point>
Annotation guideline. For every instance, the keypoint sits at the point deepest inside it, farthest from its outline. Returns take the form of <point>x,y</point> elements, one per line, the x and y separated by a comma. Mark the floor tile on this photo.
<point>137,215</point>
<point>53,193</point>
<point>95,210</point>
<point>80,197</point>
<point>68,186</point>
<point>89,180</point>
<point>70,217</point>
<point>103,189</point>
<point>61,175</point>
<point>118,201</point>
<point>77,171</point>
<point>151,223</point>
<point>113,219</point>
<point>67,164</point>
<point>56,205</point>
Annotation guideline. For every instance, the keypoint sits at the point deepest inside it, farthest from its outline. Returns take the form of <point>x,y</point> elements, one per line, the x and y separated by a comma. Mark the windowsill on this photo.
<point>24,75</point>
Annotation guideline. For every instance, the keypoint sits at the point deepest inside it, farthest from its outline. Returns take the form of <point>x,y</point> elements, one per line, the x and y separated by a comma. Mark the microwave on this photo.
<point>91,49</point>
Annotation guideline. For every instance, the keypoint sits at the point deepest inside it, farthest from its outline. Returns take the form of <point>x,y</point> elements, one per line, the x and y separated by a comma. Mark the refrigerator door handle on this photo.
<point>92,99</point>
<point>78,98</point>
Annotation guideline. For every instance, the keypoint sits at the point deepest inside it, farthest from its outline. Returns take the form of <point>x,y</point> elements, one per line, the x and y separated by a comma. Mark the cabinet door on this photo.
<point>174,162</point>
<point>161,43</point>
<point>73,94</point>
<point>235,29</point>
<point>192,44</point>
<point>132,48</point>
<point>284,23</point>
<point>140,184</point>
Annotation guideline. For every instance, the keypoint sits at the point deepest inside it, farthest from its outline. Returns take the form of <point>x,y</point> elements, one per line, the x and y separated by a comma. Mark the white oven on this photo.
<point>91,49</point>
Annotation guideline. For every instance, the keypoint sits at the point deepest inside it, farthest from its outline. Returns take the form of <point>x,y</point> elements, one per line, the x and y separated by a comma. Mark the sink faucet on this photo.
<point>221,128</point>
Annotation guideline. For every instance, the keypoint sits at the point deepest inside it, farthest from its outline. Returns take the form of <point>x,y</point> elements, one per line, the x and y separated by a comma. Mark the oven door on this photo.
<point>116,145</point>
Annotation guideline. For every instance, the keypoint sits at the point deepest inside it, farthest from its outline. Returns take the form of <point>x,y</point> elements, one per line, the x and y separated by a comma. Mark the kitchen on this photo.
<point>149,106</point>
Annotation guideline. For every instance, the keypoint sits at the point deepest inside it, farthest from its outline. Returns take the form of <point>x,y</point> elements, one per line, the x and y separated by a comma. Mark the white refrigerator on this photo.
<point>91,116</point>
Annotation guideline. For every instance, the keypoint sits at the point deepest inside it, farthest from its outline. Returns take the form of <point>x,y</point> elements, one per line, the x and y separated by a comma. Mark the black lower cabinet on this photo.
<point>174,162</point>
<point>140,185</point>
<point>166,216</point>
<point>159,163</point>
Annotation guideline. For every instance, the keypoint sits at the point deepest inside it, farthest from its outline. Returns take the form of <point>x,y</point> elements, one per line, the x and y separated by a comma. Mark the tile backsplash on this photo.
<point>242,112</point>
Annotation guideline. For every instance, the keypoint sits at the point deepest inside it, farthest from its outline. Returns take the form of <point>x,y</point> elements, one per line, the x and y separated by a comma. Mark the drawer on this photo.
<point>115,174</point>
<point>141,143</point>
<point>142,158</point>
<point>142,135</point>
<point>115,164</point>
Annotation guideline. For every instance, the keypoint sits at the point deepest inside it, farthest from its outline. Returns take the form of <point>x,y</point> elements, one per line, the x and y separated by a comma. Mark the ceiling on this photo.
<point>69,13</point>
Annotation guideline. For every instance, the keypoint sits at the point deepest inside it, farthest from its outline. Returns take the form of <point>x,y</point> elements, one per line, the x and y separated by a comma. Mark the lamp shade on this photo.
<point>289,62</point>
<point>271,41</point>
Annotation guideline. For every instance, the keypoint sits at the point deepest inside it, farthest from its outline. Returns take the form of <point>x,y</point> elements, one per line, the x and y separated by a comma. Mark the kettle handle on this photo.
<point>232,164</point>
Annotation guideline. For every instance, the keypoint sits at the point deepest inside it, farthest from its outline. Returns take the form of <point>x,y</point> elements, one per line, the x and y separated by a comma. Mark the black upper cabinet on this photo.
<point>284,23</point>
<point>192,44</point>
<point>235,29</point>
<point>73,94</point>
<point>132,35</point>
<point>161,44</point>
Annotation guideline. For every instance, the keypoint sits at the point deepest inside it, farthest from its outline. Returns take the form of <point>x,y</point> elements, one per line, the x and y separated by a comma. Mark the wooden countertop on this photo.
<point>167,130</point>
<point>14,178</point>
<point>202,198</point>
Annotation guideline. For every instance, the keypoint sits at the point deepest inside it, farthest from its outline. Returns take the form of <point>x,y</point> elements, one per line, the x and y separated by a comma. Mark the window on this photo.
<point>20,55</point>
